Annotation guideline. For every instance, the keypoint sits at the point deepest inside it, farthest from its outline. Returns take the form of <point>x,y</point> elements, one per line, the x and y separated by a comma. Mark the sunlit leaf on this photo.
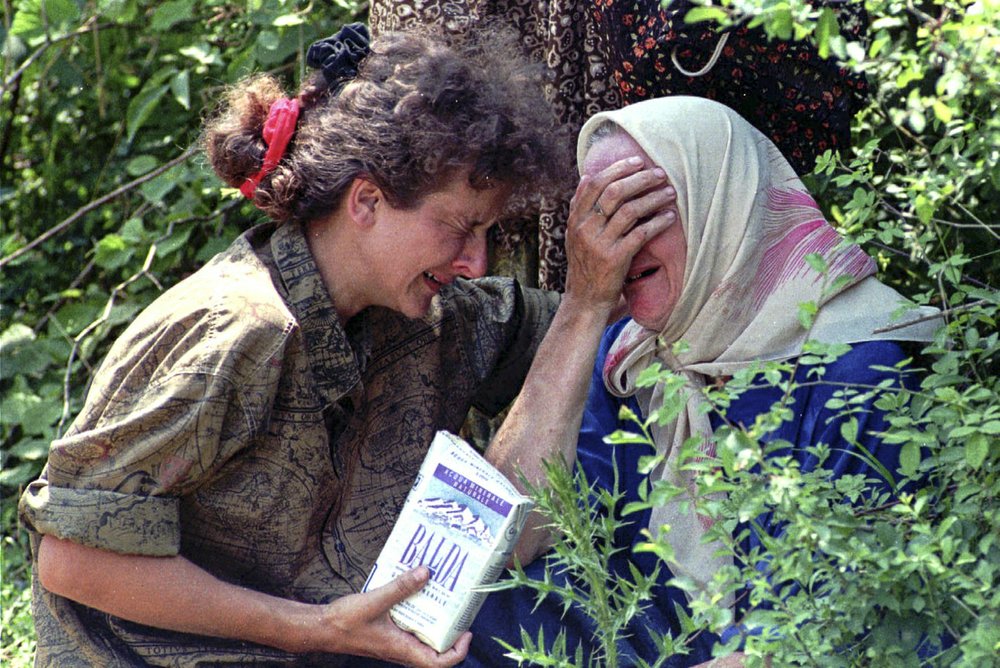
<point>169,14</point>
<point>38,17</point>
<point>112,252</point>
<point>142,107</point>
<point>707,13</point>
<point>180,87</point>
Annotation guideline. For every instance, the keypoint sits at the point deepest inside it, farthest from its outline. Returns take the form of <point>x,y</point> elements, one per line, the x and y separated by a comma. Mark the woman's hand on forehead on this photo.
<point>612,215</point>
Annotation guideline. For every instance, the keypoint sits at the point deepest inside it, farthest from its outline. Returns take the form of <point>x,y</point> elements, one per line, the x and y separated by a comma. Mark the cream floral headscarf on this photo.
<point>749,224</point>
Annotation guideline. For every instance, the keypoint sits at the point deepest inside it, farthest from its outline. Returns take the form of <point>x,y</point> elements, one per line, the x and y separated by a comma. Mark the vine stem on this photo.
<point>934,316</point>
<point>87,208</point>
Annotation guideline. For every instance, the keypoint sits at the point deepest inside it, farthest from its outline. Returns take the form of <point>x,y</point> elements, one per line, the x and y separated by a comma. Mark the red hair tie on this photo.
<point>278,130</point>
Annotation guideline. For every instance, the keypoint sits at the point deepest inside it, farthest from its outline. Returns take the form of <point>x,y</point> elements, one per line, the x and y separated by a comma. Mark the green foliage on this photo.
<point>585,521</point>
<point>103,203</point>
<point>863,571</point>
<point>17,633</point>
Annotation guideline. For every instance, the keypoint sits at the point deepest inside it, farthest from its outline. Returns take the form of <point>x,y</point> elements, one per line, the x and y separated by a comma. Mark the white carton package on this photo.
<point>461,519</point>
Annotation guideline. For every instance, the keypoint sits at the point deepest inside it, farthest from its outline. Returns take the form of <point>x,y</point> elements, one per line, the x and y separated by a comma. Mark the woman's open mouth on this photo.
<point>632,278</point>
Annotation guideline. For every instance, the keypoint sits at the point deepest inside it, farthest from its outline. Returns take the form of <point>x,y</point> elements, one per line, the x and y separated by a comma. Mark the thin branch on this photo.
<point>969,610</point>
<point>84,210</point>
<point>88,25</point>
<point>218,213</point>
<point>934,316</point>
<point>972,215</point>
<point>969,226</point>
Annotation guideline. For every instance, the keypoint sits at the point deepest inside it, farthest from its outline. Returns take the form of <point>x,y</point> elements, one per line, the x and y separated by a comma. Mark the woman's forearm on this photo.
<point>172,593</point>
<point>544,422</point>
<point>602,236</point>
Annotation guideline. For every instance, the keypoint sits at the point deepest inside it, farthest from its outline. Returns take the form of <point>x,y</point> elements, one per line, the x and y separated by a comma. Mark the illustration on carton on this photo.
<point>461,519</point>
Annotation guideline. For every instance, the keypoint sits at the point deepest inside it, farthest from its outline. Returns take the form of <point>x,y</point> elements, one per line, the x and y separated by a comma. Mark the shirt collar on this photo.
<point>334,365</point>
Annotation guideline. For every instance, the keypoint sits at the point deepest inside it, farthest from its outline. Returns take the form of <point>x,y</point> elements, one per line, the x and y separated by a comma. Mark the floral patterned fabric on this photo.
<point>602,54</point>
<point>802,102</point>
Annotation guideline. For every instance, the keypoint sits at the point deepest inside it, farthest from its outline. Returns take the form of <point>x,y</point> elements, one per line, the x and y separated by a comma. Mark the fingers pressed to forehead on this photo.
<point>593,185</point>
<point>653,202</point>
<point>635,238</point>
<point>625,189</point>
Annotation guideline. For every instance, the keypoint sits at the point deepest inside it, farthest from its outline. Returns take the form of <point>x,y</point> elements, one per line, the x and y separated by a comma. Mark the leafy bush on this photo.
<point>17,632</point>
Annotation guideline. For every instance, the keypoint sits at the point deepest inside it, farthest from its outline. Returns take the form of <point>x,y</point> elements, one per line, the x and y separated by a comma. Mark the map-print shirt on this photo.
<point>236,422</point>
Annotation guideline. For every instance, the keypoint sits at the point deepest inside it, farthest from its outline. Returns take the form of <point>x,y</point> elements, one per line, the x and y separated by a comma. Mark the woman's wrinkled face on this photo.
<point>655,277</point>
<point>419,250</point>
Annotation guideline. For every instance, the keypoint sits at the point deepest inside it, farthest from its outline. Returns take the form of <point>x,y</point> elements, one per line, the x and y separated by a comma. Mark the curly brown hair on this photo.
<point>423,106</point>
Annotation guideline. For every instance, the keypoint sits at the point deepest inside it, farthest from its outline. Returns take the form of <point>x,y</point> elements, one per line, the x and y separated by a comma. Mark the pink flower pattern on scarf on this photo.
<point>796,228</point>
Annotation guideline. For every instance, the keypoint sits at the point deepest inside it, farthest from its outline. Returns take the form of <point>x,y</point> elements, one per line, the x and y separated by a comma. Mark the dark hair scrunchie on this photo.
<point>339,56</point>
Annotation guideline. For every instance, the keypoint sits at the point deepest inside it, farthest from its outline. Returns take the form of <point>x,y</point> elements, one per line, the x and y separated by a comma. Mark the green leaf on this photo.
<point>211,248</point>
<point>142,107</point>
<point>169,14</point>
<point>202,53</point>
<point>807,312</point>
<point>273,49</point>
<point>268,40</point>
<point>943,112</point>
<point>826,28</point>
<point>133,232</point>
<point>120,11</point>
<point>17,476</point>
<point>156,190</point>
<point>180,87</point>
<point>174,242</point>
<point>112,252</point>
<point>991,427</point>
<point>32,449</point>
<point>34,18</point>
<point>781,25</point>
<point>22,353</point>
<point>709,13</point>
<point>909,458</point>
<point>849,430</point>
<point>288,20</point>
<point>816,261</point>
<point>856,52</point>
<point>977,447</point>
<point>141,164</point>
<point>16,334</point>
<point>17,406</point>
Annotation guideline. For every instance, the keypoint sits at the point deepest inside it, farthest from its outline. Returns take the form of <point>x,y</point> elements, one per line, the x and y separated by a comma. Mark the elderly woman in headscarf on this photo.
<point>726,278</point>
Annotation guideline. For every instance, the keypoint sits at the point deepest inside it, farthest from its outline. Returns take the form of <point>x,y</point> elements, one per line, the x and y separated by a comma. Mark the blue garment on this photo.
<point>505,613</point>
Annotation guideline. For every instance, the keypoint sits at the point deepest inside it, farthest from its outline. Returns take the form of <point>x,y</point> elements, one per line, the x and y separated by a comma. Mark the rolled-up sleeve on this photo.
<point>115,480</point>
<point>127,523</point>
<point>510,323</point>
